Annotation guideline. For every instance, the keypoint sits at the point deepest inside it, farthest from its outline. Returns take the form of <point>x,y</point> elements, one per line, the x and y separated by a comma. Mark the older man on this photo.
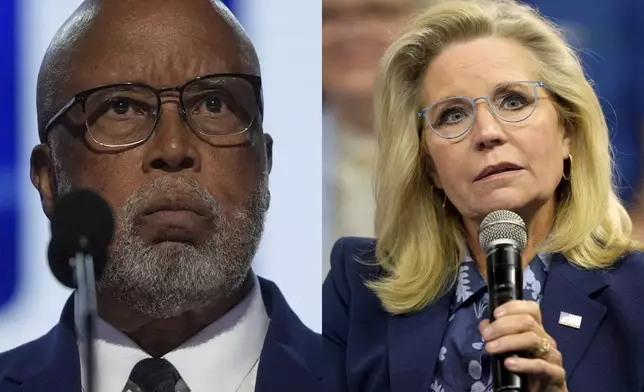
<point>157,106</point>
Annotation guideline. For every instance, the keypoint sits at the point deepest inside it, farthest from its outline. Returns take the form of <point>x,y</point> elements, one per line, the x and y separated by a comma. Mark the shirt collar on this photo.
<point>470,282</point>
<point>219,357</point>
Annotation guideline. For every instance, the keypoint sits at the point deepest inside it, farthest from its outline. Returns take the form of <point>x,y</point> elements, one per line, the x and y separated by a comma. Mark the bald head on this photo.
<point>157,42</point>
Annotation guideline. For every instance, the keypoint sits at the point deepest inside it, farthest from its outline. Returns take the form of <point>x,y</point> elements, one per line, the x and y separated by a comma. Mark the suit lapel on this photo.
<point>52,363</point>
<point>414,343</point>
<point>288,358</point>
<point>414,340</point>
<point>283,369</point>
<point>568,290</point>
<point>290,349</point>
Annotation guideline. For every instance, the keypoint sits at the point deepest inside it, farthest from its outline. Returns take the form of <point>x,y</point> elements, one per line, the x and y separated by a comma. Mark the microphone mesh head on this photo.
<point>501,225</point>
<point>79,216</point>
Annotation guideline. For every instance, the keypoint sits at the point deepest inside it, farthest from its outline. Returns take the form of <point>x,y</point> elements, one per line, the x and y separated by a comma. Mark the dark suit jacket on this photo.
<point>290,359</point>
<point>367,349</point>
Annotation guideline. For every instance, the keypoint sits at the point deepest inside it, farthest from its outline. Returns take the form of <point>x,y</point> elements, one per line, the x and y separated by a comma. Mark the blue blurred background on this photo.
<point>30,298</point>
<point>8,155</point>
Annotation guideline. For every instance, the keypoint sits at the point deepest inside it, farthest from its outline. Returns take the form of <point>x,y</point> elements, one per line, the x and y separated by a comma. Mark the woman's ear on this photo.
<point>429,168</point>
<point>567,144</point>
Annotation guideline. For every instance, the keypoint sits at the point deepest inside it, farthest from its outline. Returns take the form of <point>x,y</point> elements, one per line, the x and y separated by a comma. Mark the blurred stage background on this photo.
<point>286,34</point>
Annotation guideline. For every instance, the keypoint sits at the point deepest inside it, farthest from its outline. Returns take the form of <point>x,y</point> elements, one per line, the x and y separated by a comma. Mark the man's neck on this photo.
<point>157,337</point>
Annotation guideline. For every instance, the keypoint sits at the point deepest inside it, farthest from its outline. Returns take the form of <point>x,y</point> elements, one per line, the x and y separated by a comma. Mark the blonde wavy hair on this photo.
<point>421,244</point>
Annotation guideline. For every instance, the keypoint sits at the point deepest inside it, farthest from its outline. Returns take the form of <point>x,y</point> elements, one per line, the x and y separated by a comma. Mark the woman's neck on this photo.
<point>637,216</point>
<point>538,225</point>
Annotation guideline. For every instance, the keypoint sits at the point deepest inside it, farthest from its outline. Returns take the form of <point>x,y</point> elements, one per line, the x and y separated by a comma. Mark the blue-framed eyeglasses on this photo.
<point>512,102</point>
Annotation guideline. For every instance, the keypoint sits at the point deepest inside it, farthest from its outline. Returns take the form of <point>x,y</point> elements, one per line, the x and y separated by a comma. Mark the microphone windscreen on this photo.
<point>82,221</point>
<point>502,225</point>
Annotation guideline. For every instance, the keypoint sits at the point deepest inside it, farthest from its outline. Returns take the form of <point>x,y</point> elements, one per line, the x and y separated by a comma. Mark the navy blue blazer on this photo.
<point>290,358</point>
<point>367,349</point>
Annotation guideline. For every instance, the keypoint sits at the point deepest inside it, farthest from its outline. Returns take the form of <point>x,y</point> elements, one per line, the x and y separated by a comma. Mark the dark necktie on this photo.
<point>154,375</point>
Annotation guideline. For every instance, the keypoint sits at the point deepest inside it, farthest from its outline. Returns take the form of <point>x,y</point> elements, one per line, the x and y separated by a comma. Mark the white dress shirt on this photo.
<point>224,356</point>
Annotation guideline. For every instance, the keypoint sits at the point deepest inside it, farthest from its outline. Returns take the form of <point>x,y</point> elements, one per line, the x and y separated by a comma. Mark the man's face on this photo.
<point>189,209</point>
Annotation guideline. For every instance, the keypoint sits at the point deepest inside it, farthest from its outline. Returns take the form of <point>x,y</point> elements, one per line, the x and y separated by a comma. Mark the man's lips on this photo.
<point>171,218</point>
<point>174,226</point>
<point>175,220</point>
<point>178,204</point>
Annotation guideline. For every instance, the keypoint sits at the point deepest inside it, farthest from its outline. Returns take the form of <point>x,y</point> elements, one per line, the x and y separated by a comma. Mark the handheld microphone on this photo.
<point>82,226</point>
<point>503,236</point>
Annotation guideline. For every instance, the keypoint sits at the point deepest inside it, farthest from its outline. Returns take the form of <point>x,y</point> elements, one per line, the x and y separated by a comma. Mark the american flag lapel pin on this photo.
<point>570,320</point>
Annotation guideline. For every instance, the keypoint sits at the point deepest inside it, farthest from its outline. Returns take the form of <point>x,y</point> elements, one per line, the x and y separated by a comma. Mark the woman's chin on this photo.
<point>525,207</point>
<point>492,204</point>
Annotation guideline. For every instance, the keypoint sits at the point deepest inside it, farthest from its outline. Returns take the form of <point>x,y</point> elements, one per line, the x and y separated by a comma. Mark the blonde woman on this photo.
<point>481,106</point>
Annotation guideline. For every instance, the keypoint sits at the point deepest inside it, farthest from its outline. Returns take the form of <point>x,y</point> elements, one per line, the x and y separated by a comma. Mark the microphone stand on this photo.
<point>86,286</point>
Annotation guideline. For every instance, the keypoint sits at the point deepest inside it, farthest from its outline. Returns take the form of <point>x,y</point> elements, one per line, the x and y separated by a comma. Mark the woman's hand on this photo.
<point>518,327</point>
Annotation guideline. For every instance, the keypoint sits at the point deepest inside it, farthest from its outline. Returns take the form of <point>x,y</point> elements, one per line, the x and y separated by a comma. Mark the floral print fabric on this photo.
<point>463,364</point>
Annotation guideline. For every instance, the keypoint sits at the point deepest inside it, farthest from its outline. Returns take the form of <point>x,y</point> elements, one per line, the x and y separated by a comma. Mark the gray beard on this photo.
<point>167,279</point>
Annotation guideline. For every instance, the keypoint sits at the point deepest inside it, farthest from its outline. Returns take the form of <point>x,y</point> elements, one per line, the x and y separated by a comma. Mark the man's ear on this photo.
<point>268,141</point>
<point>42,176</point>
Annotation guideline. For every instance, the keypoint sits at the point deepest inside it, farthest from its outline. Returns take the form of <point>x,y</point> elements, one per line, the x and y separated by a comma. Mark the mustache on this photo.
<point>169,188</point>
<point>165,281</point>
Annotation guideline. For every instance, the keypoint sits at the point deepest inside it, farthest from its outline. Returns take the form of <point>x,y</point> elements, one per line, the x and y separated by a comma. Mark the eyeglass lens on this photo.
<point>213,107</point>
<point>511,102</point>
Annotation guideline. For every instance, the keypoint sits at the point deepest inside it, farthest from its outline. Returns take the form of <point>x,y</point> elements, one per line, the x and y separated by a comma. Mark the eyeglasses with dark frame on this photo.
<point>125,114</point>
<point>453,117</point>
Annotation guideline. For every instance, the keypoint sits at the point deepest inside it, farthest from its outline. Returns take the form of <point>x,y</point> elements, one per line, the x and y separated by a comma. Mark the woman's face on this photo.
<point>535,147</point>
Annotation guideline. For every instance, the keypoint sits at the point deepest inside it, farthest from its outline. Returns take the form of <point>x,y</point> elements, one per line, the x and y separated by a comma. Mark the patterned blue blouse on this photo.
<point>463,364</point>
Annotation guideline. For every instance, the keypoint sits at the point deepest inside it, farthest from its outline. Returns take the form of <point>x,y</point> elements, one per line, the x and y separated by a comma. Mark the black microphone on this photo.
<point>503,236</point>
<point>82,226</point>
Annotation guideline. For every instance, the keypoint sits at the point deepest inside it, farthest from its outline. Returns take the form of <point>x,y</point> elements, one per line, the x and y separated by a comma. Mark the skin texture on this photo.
<point>539,145</point>
<point>637,213</point>
<point>159,43</point>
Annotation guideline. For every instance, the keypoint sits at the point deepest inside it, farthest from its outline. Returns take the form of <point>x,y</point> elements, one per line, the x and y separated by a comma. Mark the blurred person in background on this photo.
<point>355,34</point>
<point>158,107</point>
<point>482,106</point>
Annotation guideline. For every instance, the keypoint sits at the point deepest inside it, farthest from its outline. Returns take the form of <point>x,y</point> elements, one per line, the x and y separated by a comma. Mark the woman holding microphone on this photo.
<point>481,106</point>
